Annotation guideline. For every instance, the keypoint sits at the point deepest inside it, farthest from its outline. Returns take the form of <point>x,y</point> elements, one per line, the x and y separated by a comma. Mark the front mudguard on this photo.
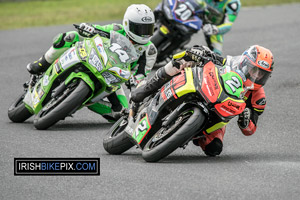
<point>85,78</point>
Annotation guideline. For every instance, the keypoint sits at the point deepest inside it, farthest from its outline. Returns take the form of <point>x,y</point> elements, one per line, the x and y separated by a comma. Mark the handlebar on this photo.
<point>96,31</point>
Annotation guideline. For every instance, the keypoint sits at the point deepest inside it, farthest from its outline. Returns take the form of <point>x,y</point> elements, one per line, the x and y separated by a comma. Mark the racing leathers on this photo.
<point>219,19</point>
<point>140,68</point>
<point>211,141</point>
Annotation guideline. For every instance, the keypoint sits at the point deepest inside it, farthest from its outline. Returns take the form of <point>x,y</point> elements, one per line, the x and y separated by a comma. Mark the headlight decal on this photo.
<point>121,72</point>
<point>95,61</point>
<point>110,79</point>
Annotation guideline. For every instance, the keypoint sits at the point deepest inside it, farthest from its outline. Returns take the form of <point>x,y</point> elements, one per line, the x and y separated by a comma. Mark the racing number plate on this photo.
<point>141,130</point>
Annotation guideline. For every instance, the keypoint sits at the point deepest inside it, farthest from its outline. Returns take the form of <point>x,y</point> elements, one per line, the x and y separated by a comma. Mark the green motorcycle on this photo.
<point>87,72</point>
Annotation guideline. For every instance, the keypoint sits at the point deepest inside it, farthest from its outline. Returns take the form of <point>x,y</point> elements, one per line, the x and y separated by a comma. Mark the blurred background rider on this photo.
<point>219,19</point>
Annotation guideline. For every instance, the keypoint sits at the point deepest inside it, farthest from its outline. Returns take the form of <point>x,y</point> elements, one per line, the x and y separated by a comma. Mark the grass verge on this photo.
<point>24,13</point>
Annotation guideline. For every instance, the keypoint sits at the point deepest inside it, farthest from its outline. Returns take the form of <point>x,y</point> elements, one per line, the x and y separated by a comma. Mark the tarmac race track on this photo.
<point>263,166</point>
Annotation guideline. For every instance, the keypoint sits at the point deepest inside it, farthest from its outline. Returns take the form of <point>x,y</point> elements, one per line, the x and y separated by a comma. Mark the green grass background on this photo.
<point>25,13</point>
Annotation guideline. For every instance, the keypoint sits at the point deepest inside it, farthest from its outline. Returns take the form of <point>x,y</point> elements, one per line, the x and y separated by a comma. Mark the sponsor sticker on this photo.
<point>99,45</point>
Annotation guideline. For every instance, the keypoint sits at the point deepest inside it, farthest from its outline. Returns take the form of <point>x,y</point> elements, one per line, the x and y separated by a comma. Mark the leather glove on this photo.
<point>210,29</point>
<point>244,118</point>
<point>196,53</point>
<point>87,30</point>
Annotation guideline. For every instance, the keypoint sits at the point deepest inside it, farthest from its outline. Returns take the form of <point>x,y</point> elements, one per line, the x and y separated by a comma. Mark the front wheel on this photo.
<point>116,141</point>
<point>168,139</point>
<point>61,106</point>
<point>17,112</point>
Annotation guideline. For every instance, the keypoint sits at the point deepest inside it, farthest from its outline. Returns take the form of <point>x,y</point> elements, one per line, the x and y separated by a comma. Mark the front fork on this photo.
<point>133,109</point>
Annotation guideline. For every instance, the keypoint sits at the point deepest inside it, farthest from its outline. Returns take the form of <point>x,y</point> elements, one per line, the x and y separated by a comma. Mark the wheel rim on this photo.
<point>164,133</point>
<point>20,101</point>
<point>119,128</point>
<point>54,102</point>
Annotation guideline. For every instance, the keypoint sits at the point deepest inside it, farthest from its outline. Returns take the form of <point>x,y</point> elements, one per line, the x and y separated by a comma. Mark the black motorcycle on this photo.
<point>180,111</point>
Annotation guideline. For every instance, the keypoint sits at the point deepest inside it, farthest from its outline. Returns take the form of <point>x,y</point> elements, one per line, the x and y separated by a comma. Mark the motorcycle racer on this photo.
<point>219,19</point>
<point>138,25</point>
<point>255,66</point>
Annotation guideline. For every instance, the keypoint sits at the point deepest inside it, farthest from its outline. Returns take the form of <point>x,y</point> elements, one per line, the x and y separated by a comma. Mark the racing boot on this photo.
<point>38,66</point>
<point>152,85</point>
<point>116,108</point>
<point>112,109</point>
<point>113,116</point>
<point>211,144</point>
<point>106,110</point>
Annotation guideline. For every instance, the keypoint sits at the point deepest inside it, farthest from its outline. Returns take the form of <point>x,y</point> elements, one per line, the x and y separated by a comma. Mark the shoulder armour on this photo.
<point>152,50</point>
<point>117,27</point>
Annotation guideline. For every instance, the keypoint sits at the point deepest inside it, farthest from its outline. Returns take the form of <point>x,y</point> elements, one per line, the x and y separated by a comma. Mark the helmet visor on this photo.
<point>254,73</point>
<point>144,30</point>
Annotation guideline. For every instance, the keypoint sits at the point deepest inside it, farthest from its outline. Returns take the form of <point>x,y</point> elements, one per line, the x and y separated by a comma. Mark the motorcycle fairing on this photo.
<point>211,90</point>
<point>99,44</point>
<point>189,86</point>
<point>185,12</point>
<point>211,87</point>
<point>179,85</point>
<point>230,107</point>
<point>69,58</point>
<point>141,130</point>
<point>233,84</point>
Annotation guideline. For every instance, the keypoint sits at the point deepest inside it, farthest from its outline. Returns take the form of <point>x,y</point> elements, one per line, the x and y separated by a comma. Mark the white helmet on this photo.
<point>138,23</point>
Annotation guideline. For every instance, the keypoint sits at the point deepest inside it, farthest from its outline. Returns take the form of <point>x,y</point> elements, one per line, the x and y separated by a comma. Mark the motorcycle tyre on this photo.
<point>73,101</point>
<point>119,143</point>
<point>182,135</point>
<point>17,112</point>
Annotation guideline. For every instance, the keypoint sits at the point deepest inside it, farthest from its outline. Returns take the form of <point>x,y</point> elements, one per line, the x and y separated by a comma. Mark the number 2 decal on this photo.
<point>142,126</point>
<point>234,84</point>
<point>123,56</point>
<point>183,12</point>
<point>141,130</point>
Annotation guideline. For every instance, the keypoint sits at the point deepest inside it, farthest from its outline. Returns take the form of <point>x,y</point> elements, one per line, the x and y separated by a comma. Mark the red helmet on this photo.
<point>257,66</point>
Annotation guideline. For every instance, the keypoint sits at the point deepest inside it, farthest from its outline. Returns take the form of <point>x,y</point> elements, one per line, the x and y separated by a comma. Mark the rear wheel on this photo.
<point>17,112</point>
<point>117,141</point>
<point>63,105</point>
<point>168,139</point>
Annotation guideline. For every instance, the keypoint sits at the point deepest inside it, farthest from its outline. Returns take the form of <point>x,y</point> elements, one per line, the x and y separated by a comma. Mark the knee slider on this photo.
<point>58,40</point>
<point>214,148</point>
<point>117,27</point>
<point>69,37</point>
<point>152,50</point>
